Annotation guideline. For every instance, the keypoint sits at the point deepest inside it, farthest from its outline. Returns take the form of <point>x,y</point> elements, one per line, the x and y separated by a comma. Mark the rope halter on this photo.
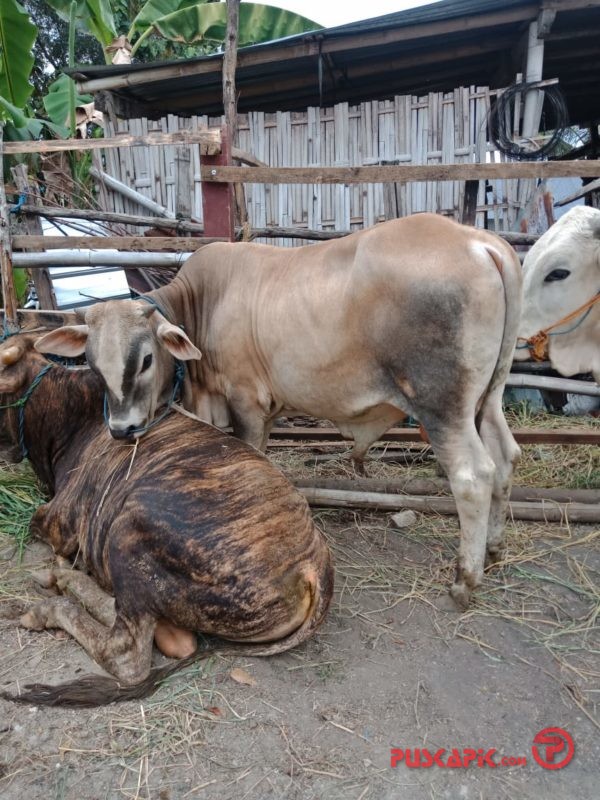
<point>538,343</point>
<point>22,402</point>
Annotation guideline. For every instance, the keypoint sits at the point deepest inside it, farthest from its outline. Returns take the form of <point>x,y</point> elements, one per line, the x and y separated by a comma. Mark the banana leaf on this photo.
<point>208,21</point>
<point>17,35</point>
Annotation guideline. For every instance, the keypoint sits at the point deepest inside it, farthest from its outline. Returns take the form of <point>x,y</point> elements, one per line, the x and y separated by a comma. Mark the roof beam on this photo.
<point>312,45</point>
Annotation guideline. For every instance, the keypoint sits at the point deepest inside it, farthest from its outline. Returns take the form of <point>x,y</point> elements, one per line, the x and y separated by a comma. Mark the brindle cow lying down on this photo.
<point>191,531</point>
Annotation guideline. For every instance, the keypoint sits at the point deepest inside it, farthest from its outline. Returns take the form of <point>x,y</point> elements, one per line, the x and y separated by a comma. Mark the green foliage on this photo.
<point>198,21</point>
<point>92,16</point>
<point>61,99</point>
<point>20,496</point>
<point>17,35</point>
<point>50,50</point>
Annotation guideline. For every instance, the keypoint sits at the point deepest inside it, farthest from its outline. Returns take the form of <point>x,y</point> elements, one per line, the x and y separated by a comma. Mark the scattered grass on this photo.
<point>20,495</point>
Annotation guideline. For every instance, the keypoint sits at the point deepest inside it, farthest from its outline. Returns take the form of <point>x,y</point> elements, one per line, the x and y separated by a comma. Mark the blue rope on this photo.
<point>153,302</point>
<point>177,384</point>
<point>20,202</point>
<point>21,403</point>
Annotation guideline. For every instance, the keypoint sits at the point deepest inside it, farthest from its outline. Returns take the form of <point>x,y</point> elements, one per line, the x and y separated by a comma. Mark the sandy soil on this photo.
<point>395,665</point>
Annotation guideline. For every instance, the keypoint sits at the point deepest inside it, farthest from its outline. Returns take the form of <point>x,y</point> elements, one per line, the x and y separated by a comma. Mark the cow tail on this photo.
<point>98,690</point>
<point>509,267</point>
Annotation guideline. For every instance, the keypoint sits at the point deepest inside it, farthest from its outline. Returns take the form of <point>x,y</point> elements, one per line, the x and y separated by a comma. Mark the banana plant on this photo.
<point>17,35</point>
<point>185,21</point>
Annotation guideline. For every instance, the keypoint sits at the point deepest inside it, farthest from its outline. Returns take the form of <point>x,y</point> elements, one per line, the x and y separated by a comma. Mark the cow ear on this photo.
<point>67,341</point>
<point>177,342</point>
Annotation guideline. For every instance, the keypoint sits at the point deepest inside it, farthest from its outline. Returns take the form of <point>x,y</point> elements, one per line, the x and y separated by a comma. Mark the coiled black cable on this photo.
<point>501,116</point>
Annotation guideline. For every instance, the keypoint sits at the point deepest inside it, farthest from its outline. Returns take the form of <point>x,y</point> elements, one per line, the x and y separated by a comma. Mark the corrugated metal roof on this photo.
<point>431,48</point>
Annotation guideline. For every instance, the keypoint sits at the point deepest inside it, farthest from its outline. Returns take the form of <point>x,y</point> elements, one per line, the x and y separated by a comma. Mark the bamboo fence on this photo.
<point>448,128</point>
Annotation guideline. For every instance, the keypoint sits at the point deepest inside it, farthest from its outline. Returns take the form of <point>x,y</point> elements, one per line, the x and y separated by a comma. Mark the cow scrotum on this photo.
<point>414,316</point>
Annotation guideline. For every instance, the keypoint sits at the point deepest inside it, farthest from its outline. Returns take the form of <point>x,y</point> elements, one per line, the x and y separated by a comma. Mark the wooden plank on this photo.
<point>208,140</point>
<point>522,435</point>
<point>383,174</point>
<point>143,244</point>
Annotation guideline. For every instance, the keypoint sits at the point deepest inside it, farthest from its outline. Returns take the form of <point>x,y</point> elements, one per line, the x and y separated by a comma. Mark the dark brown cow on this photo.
<point>192,530</point>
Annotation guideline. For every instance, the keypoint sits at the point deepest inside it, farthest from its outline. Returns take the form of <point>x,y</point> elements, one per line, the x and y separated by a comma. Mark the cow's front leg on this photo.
<point>124,651</point>
<point>46,524</point>
<point>249,420</point>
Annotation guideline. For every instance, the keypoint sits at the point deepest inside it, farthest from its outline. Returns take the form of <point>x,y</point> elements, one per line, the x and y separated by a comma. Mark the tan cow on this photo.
<point>414,316</point>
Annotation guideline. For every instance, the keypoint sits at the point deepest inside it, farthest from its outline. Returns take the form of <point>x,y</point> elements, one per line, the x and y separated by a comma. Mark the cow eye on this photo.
<point>557,275</point>
<point>146,362</point>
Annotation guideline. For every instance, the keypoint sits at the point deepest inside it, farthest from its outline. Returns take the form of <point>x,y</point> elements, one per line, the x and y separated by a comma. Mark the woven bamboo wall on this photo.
<point>439,128</point>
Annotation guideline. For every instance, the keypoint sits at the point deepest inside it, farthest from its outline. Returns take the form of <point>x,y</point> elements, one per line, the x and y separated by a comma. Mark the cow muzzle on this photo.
<point>129,433</point>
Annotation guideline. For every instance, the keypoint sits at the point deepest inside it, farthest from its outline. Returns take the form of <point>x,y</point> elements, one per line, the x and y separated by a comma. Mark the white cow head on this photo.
<point>562,273</point>
<point>130,345</point>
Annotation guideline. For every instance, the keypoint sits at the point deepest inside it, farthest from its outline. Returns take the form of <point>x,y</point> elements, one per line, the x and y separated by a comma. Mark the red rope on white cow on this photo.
<point>538,343</point>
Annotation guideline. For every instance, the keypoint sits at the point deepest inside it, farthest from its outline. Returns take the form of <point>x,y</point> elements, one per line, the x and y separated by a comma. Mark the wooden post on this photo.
<point>230,95</point>
<point>9,295</point>
<point>33,226</point>
<point>217,198</point>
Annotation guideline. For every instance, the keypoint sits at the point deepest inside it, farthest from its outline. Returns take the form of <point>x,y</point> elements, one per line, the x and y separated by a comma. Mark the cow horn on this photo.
<point>11,355</point>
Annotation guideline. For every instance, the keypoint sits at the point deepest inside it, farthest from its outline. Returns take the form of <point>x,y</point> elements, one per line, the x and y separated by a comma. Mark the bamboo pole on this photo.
<point>271,232</point>
<point>142,244</point>
<point>376,501</point>
<point>131,194</point>
<point>434,486</point>
<point>99,258</point>
<point>554,384</point>
<point>9,295</point>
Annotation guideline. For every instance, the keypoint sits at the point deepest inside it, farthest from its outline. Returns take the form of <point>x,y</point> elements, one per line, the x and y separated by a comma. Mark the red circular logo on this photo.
<point>555,742</point>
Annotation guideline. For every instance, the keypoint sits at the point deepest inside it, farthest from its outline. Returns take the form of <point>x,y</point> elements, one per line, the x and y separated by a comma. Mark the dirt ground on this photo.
<point>394,666</point>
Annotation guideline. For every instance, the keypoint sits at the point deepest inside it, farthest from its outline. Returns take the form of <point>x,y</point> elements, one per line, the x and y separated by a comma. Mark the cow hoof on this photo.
<point>35,619</point>
<point>461,594</point>
<point>44,578</point>
<point>494,555</point>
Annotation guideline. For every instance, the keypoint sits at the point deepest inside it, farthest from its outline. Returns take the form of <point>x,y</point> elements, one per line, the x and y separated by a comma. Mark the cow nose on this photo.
<point>123,433</point>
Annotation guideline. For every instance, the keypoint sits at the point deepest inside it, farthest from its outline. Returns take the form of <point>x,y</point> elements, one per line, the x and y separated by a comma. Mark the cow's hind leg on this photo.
<point>470,471</point>
<point>82,588</point>
<point>505,453</point>
<point>125,650</point>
